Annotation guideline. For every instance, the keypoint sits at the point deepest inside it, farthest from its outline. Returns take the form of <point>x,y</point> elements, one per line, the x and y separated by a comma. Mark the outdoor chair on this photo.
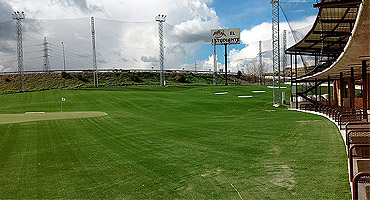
<point>357,137</point>
<point>361,184</point>
<point>359,158</point>
<point>343,119</point>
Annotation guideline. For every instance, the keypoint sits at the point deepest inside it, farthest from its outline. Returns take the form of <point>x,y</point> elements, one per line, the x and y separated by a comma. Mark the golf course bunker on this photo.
<point>245,96</point>
<point>220,93</point>
<point>40,116</point>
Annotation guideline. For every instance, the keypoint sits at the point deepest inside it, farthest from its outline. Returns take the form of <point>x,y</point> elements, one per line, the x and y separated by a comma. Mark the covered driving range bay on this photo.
<point>168,143</point>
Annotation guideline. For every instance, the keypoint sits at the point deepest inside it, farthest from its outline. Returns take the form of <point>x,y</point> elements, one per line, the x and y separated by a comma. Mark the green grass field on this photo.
<point>169,143</point>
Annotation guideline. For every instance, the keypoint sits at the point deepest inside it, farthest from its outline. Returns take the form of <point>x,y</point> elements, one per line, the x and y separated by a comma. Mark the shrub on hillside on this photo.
<point>181,78</point>
<point>239,74</point>
<point>134,77</point>
<point>80,77</point>
<point>66,75</point>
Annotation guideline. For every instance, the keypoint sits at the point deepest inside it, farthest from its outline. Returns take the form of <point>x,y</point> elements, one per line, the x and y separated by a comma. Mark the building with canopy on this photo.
<point>340,44</point>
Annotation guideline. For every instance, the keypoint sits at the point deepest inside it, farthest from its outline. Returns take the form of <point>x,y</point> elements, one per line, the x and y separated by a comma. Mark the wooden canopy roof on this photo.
<point>331,30</point>
<point>341,31</point>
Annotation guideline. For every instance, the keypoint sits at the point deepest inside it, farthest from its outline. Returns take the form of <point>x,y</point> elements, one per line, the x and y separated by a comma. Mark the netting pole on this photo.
<point>275,48</point>
<point>285,57</point>
<point>64,57</point>
<point>95,66</point>
<point>46,64</point>
<point>160,19</point>
<point>214,65</point>
<point>260,62</point>
<point>17,16</point>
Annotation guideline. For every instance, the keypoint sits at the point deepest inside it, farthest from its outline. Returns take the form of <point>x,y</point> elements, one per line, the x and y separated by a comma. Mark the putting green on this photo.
<point>39,116</point>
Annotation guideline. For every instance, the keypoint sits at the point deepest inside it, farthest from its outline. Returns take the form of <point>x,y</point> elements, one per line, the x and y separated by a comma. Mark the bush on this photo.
<point>66,75</point>
<point>239,74</point>
<point>180,78</point>
<point>81,78</point>
<point>134,77</point>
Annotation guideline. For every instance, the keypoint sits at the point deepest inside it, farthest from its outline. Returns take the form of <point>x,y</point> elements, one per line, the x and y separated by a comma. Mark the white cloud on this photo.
<point>127,45</point>
<point>119,44</point>
<point>250,38</point>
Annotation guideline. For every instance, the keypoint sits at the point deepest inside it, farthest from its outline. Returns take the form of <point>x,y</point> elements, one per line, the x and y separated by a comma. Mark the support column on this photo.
<point>342,89</point>
<point>329,99</point>
<point>291,79</point>
<point>316,90</point>
<point>225,64</point>
<point>296,83</point>
<point>214,65</point>
<point>336,91</point>
<point>352,91</point>
<point>365,89</point>
<point>320,94</point>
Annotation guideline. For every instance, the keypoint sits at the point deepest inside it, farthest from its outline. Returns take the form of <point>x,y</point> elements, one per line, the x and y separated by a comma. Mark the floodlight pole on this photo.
<point>160,19</point>
<point>275,47</point>
<point>18,16</point>
<point>95,66</point>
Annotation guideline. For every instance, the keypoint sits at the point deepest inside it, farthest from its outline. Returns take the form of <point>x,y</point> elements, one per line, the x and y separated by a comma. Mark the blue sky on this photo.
<point>247,14</point>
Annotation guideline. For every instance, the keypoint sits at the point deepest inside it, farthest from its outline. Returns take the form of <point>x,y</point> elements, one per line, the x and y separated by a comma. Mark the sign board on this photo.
<point>225,36</point>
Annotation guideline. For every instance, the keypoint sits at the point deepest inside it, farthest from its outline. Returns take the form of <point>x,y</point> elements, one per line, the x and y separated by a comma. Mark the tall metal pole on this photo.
<point>18,16</point>
<point>276,47</point>
<point>214,65</point>
<point>296,82</point>
<point>64,58</point>
<point>291,80</point>
<point>316,90</point>
<point>225,64</point>
<point>285,56</point>
<point>260,62</point>
<point>160,19</point>
<point>95,66</point>
<point>329,92</point>
<point>46,65</point>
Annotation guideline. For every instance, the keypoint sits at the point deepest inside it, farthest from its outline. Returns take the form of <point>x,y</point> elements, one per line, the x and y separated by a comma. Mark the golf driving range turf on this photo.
<point>168,143</point>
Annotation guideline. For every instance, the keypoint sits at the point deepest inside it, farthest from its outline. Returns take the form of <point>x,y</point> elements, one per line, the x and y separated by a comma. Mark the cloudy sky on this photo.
<point>127,35</point>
